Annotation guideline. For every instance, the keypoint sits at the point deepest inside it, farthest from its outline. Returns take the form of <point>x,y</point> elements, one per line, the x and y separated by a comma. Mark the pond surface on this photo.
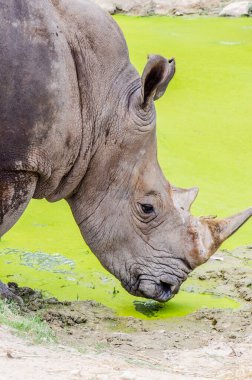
<point>204,139</point>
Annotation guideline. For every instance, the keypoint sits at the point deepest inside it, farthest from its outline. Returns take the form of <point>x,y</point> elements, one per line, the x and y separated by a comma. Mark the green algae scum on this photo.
<point>204,139</point>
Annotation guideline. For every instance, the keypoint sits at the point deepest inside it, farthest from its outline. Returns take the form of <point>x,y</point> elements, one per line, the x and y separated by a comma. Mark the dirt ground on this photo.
<point>93,343</point>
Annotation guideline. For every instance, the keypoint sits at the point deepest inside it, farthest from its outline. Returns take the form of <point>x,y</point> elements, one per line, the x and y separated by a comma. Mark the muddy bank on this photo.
<point>205,345</point>
<point>209,343</point>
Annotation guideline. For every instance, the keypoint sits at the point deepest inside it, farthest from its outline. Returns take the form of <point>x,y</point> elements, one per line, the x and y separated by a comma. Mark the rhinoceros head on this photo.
<point>134,220</point>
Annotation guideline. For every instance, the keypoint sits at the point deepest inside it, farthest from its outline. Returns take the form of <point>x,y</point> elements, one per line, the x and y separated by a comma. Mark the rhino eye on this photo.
<point>147,208</point>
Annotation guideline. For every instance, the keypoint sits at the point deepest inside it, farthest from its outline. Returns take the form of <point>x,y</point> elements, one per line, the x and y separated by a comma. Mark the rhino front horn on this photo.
<point>221,229</point>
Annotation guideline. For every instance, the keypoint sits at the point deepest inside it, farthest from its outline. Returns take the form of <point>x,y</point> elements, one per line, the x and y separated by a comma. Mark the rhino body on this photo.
<point>77,122</point>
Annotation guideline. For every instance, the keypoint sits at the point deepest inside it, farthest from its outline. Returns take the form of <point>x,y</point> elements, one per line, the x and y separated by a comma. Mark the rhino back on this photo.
<point>39,96</point>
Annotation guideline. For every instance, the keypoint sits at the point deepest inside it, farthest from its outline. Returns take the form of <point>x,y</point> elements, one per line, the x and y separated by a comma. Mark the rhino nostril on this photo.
<point>167,288</point>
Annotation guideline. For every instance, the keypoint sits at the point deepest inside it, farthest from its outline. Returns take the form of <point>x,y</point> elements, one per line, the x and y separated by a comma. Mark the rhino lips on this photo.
<point>162,291</point>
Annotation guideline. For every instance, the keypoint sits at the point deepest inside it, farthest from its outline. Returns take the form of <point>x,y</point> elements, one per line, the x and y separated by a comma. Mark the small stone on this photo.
<point>232,336</point>
<point>237,9</point>
<point>9,355</point>
<point>202,277</point>
<point>214,322</point>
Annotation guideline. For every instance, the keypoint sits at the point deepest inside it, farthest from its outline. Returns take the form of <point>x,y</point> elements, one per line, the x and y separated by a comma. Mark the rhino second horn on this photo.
<point>222,229</point>
<point>183,198</point>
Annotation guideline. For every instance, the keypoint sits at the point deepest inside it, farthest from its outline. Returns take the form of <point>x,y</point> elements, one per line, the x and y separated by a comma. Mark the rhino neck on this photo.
<point>104,77</point>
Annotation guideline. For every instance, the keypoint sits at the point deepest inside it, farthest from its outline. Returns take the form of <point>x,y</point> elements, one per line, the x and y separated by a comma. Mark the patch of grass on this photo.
<point>30,326</point>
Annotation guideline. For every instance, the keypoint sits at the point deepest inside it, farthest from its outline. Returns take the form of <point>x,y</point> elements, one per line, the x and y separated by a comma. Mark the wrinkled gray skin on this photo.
<point>77,122</point>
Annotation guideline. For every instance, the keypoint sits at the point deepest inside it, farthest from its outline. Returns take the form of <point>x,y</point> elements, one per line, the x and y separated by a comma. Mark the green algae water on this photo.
<point>204,139</point>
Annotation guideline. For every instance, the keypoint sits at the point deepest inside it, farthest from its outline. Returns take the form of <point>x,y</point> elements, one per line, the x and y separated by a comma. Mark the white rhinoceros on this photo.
<point>78,122</point>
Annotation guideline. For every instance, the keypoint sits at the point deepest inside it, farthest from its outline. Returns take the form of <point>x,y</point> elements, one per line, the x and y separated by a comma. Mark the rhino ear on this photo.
<point>157,74</point>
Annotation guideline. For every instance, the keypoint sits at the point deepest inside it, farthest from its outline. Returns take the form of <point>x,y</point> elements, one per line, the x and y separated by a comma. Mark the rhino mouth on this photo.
<point>161,291</point>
